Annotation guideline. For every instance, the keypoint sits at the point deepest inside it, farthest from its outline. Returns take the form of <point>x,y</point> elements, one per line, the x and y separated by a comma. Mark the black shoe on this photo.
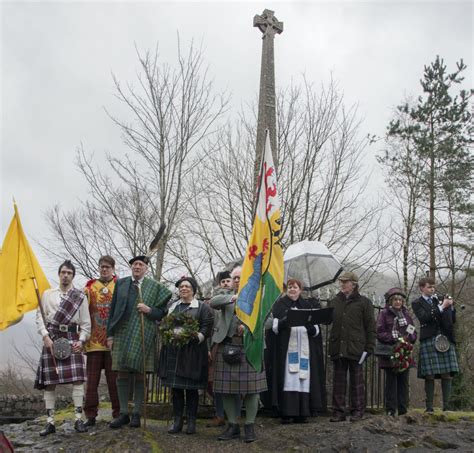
<point>177,426</point>
<point>135,421</point>
<point>285,420</point>
<point>232,432</point>
<point>429,410</point>
<point>391,413</point>
<point>48,429</point>
<point>191,428</point>
<point>90,422</point>
<point>122,419</point>
<point>79,426</point>
<point>338,418</point>
<point>356,418</point>
<point>249,433</point>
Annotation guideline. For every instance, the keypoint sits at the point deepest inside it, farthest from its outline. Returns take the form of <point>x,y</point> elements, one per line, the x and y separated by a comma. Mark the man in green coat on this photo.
<point>352,338</point>
<point>134,296</point>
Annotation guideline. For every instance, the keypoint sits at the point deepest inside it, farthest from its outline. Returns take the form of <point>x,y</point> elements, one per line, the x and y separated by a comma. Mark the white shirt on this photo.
<point>50,302</point>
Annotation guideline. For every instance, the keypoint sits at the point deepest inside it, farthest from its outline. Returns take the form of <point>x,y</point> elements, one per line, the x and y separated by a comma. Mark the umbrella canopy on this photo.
<point>312,263</point>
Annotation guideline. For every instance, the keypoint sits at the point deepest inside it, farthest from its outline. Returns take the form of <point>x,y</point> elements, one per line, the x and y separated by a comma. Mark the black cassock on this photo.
<point>294,404</point>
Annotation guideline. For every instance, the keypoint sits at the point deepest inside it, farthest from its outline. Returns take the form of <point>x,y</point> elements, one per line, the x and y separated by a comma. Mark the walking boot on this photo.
<point>79,426</point>
<point>178,409</point>
<point>135,421</point>
<point>177,425</point>
<point>90,422</point>
<point>249,432</point>
<point>48,429</point>
<point>232,432</point>
<point>191,428</point>
<point>122,419</point>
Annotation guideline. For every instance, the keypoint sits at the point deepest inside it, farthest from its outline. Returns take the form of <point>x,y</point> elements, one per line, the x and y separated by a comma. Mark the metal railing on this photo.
<point>374,378</point>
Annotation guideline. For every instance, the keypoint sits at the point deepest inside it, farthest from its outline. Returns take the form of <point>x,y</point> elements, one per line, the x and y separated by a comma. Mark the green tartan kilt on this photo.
<point>434,363</point>
<point>120,346</point>
<point>174,381</point>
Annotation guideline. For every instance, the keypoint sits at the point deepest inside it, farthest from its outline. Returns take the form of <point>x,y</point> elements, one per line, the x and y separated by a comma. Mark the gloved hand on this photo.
<point>311,329</point>
<point>194,339</point>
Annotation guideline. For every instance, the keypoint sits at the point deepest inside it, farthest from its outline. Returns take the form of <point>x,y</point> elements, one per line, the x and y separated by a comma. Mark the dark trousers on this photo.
<point>192,402</point>
<point>396,391</point>
<point>96,362</point>
<point>356,387</point>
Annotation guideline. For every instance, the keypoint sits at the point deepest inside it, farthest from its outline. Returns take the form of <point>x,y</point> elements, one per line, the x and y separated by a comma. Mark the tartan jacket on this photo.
<point>155,295</point>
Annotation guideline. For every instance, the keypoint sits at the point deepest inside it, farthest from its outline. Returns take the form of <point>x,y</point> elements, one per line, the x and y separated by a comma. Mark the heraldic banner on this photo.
<point>261,281</point>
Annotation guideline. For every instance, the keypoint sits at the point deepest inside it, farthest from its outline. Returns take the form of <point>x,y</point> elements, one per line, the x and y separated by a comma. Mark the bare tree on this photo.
<point>174,110</point>
<point>322,182</point>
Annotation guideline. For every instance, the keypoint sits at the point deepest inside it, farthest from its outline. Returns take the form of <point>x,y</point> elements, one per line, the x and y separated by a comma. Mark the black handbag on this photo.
<point>232,353</point>
<point>383,349</point>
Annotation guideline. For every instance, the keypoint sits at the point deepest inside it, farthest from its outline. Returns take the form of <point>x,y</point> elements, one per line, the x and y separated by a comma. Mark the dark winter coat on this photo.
<point>385,323</point>
<point>277,348</point>
<point>191,359</point>
<point>432,321</point>
<point>353,327</point>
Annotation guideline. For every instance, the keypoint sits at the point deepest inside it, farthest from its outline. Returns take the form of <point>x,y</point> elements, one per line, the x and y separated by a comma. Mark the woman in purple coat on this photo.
<point>395,322</point>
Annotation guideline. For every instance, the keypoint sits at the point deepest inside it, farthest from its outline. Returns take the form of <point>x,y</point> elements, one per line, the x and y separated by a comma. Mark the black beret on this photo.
<point>223,275</point>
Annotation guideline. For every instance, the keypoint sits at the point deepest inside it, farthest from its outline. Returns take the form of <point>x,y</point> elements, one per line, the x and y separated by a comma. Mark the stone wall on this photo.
<point>13,407</point>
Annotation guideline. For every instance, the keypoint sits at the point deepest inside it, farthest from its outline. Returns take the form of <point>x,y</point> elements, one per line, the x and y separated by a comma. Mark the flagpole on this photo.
<point>35,283</point>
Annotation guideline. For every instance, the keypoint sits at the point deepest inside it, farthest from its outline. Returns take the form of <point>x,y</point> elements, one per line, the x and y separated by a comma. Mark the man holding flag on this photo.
<point>259,285</point>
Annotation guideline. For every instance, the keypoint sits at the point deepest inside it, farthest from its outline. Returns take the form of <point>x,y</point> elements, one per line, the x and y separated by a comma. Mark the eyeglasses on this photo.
<point>235,278</point>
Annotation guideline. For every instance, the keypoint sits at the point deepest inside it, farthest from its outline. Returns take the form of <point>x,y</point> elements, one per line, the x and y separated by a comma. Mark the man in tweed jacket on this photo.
<point>133,296</point>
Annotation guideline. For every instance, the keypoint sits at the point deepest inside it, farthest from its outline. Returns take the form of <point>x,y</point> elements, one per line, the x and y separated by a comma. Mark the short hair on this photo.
<point>69,265</point>
<point>391,299</point>
<point>426,281</point>
<point>236,269</point>
<point>294,281</point>
<point>107,259</point>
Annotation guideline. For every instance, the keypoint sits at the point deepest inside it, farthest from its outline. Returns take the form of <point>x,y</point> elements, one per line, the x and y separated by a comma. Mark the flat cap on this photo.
<point>349,276</point>
<point>142,258</point>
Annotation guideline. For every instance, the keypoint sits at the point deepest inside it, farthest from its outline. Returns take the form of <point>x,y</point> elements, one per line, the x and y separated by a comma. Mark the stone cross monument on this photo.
<point>268,25</point>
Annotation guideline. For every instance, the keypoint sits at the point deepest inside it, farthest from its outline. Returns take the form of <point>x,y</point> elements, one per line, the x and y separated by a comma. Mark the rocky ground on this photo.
<point>415,432</point>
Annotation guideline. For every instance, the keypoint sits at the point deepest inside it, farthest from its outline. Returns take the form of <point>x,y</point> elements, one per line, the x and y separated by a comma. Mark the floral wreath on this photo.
<point>401,357</point>
<point>178,329</point>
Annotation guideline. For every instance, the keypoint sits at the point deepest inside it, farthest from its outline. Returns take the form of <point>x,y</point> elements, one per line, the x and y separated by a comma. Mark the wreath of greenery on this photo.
<point>178,329</point>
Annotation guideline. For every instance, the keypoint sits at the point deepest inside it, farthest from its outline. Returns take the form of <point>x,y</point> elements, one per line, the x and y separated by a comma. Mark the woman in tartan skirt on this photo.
<point>239,378</point>
<point>436,317</point>
<point>185,368</point>
<point>395,322</point>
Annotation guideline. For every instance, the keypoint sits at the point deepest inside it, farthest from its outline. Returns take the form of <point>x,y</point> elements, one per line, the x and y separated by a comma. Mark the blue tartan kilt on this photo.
<point>434,363</point>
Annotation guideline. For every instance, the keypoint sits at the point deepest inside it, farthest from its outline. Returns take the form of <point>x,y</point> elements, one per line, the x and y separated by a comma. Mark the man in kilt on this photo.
<point>64,314</point>
<point>99,294</point>
<point>436,318</point>
<point>133,296</point>
<point>237,379</point>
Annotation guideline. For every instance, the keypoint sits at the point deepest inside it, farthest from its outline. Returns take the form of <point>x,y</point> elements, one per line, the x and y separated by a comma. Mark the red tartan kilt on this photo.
<point>70,370</point>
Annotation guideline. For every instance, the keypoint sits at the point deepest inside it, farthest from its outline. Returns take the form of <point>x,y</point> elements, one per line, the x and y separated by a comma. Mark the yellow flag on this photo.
<point>18,270</point>
<point>261,281</point>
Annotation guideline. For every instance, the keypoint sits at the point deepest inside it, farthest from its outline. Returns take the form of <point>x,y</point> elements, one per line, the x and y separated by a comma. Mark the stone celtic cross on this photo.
<point>269,25</point>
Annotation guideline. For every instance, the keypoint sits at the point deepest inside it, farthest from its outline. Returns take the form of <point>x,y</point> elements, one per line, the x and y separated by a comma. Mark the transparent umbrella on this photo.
<point>312,263</point>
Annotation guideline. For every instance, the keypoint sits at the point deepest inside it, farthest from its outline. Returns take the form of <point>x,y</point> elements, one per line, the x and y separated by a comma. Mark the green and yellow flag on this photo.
<point>19,269</point>
<point>261,281</point>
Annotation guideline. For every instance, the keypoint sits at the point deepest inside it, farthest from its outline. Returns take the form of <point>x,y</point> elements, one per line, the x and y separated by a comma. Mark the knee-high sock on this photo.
<point>429,392</point>
<point>251,407</point>
<point>123,390</point>
<point>446,389</point>
<point>229,408</point>
<point>77,398</point>
<point>50,403</point>
<point>139,395</point>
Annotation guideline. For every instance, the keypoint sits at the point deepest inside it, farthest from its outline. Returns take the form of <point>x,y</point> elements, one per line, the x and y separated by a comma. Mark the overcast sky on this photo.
<point>57,59</point>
